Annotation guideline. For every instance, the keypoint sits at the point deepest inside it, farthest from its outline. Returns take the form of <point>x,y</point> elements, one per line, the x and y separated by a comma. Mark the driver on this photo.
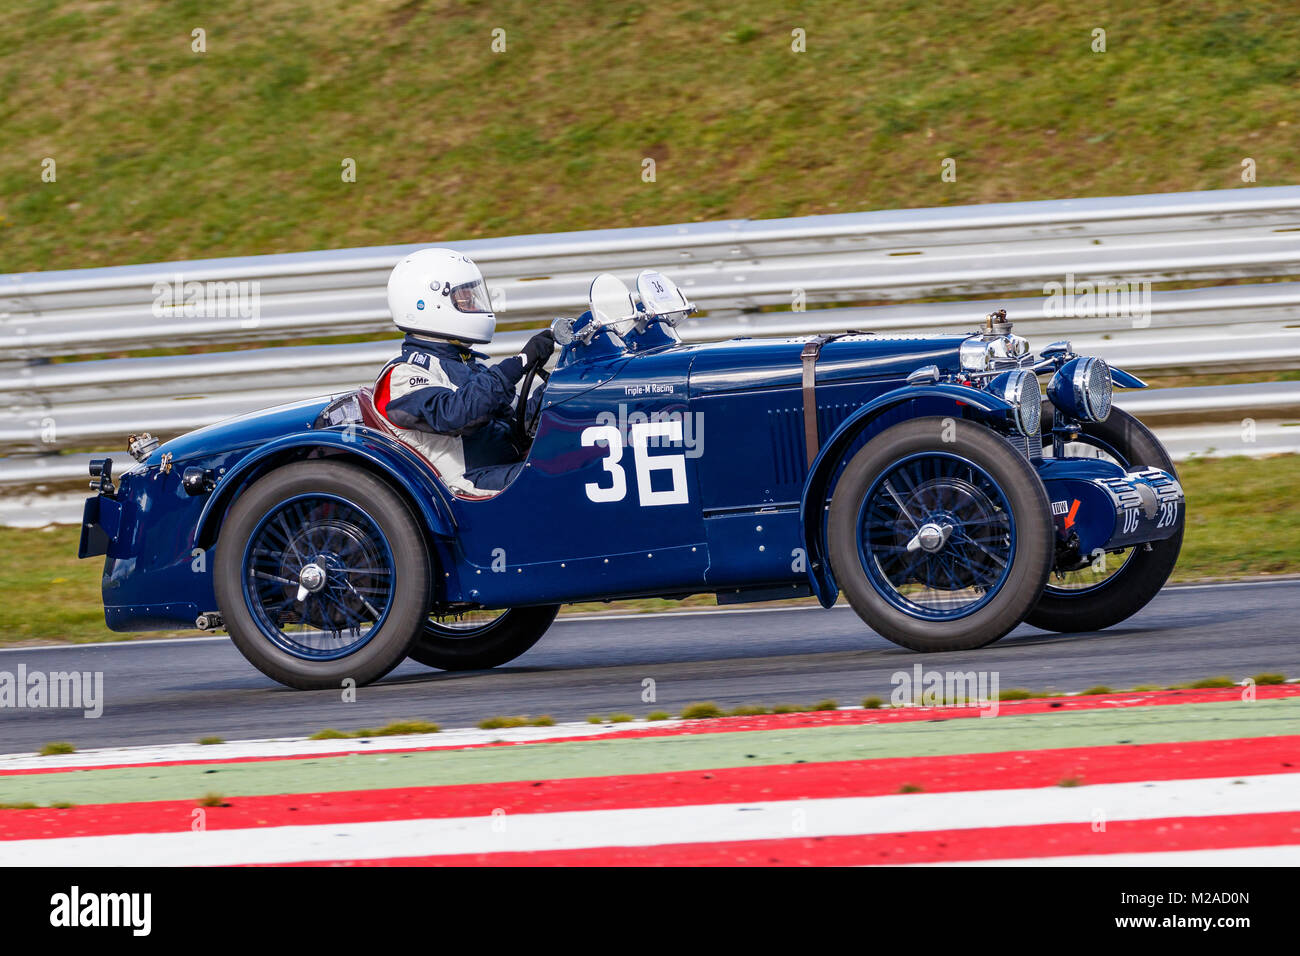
<point>439,396</point>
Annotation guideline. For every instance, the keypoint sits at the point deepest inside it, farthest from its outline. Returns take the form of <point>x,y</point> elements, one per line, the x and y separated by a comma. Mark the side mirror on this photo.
<point>562,329</point>
<point>661,297</point>
<point>611,303</point>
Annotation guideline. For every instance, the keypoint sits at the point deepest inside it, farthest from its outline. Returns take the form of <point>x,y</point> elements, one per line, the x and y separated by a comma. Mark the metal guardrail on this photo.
<point>730,265</point>
<point>730,269</point>
<point>80,402</point>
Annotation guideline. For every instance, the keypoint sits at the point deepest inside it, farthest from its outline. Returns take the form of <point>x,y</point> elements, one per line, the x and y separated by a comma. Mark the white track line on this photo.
<point>763,820</point>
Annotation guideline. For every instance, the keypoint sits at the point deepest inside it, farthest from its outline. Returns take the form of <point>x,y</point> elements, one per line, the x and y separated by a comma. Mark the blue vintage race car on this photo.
<point>926,478</point>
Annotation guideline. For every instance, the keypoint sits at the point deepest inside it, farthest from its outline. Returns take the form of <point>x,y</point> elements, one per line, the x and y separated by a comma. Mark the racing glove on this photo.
<point>539,348</point>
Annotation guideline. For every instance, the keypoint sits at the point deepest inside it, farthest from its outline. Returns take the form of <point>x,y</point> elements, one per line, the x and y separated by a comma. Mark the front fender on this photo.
<point>812,529</point>
<point>375,450</point>
<point>1125,379</point>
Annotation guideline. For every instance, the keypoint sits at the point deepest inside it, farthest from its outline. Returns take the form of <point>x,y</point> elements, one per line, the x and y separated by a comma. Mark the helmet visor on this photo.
<point>471,297</point>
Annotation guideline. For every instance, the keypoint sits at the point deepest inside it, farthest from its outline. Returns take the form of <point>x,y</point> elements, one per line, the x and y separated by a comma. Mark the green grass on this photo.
<point>1208,683</point>
<point>1017,693</point>
<point>394,729</point>
<point>165,154</point>
<point>1241,520</point>
<point>399,728</point>
<point>1241,517</point>
<point>56,747</point>
<point>497,723</point>
<point>209,741</point>
<point>329,733</point>
<point>702,710</point>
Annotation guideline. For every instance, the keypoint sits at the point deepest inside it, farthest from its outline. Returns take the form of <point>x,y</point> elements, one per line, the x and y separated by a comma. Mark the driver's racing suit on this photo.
<point>456,411</point>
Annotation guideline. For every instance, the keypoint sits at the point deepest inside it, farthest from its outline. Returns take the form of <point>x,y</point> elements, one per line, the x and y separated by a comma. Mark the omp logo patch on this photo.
<point>417,380</point>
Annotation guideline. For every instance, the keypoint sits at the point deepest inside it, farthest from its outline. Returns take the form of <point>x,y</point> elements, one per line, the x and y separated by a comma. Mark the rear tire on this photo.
<point>479,648</point>
<point>985,575</point>
<point>372,595</point>
<point>1145,572</point>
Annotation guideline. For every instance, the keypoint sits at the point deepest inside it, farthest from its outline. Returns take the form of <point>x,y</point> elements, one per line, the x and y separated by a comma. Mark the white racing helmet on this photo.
<point>441,293</point>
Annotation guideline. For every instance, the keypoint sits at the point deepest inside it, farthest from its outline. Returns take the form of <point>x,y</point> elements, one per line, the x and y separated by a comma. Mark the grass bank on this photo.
<point>164,153</point>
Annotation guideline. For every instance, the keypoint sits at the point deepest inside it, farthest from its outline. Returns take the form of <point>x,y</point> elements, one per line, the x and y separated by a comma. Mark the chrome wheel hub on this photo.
<point>930,537</point>
<point>311,580</point>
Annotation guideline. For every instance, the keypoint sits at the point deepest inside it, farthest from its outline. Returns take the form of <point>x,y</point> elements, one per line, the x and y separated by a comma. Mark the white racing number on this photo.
<point>1131,520</point>
<point>614,441</point>
<point>646,464</point>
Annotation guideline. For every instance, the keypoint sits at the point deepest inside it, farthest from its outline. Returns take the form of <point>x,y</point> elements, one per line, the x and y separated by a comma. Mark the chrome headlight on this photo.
<point>1082,388</point>
<point>1020,390</point>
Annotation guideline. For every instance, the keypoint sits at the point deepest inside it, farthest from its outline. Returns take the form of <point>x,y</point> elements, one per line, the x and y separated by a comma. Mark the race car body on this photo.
<point>927,479</point>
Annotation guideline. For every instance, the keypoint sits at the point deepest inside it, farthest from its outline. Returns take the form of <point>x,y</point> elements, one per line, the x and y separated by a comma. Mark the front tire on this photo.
<point>469,645</point>
<point>1066,608</point>
<point>322,575</point>
<point>915,583</point>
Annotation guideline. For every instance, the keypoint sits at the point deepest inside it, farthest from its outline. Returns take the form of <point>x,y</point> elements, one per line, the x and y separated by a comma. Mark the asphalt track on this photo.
<point>177,691</point>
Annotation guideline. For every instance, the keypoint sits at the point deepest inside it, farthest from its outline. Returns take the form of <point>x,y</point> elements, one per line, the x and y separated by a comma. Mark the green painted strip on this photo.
<point>1090,728</point>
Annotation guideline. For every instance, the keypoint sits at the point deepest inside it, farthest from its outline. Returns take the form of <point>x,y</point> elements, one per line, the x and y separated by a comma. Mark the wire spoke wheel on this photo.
<point>461,639</point>
<point>319,576</point>
<point>1112,587</point>
<point>936,536</point>
<point>939,534</point>
<point>322,575</point>
<point>463,624</point>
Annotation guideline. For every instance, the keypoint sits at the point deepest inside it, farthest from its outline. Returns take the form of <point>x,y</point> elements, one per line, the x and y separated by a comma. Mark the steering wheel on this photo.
<point>525,427</point>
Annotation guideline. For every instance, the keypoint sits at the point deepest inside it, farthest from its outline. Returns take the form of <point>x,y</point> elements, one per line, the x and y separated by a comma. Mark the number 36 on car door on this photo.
<point>614,486</point>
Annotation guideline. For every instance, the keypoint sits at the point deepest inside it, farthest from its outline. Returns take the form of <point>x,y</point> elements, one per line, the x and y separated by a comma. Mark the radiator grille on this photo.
<point>1031,447</point>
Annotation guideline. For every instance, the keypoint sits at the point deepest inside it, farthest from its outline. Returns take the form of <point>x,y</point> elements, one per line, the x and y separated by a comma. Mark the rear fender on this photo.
<point>366,447</point>
<point>966,402</point>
